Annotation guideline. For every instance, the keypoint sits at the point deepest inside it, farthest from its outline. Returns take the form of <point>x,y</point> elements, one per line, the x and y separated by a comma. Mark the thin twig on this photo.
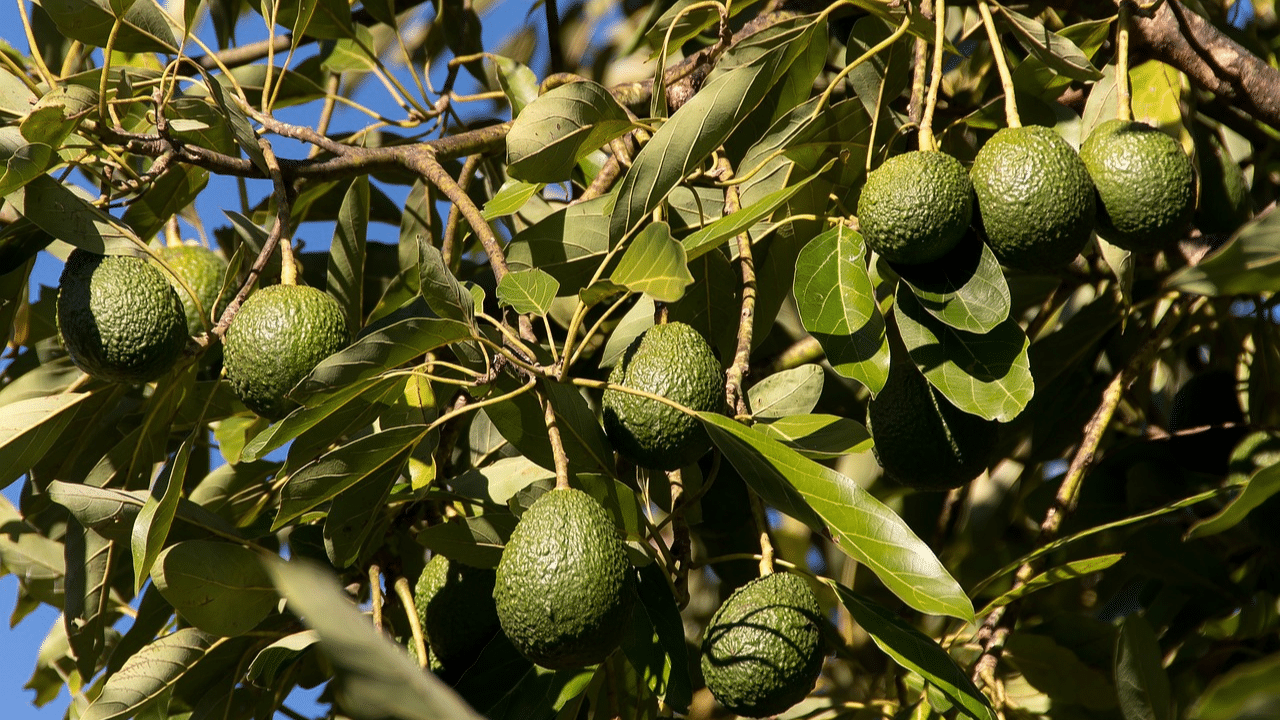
<point>741,365</point>
<point>558,455</point>
<point>448,245</point>
<point>411,614</point>
<point>1002,66</point>
<point>375,595</point>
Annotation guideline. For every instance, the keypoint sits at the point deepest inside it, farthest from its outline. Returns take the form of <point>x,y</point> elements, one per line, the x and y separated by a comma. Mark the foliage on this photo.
<point>696,162</point>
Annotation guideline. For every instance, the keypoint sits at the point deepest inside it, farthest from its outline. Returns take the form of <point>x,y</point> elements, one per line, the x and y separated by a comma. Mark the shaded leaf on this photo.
<point>1256,490</point>
<point>57,114</point>
<point>345,280</point>
<point>476,541</point>
<point>355,512</point>
<point>528,291</point>
<point>829,502</point>
<point>520,420</point>
<point>664,615</point>
<point>561,127</point>
<point>379,351</point>
<point>303,419</point>
<point>144,28</point>
<point>270,660</point>
<point>517,81</point>
<point>568,244</point>
<point>89,561</point>
<point>28,428</point>
<point>1054,50</point>
<point>818,437</point>
<point>1244,687</point>
<point>151,527</point>
<point>23,160</point>
<point>715,233</point>
<point>1058,671</point>
<point>218,587</point>
<point>111,512</point>
<point>168,195</point>
<point>965,288</point>
<point>1067,571</point>
<point>442,291</point>
<point>987,375</point>
<point>1141,681</point>
<point>655,264</point>
<point>55,209</point>
<point>837,306</point>
<point>1248,263</point>
<point>149,674</point>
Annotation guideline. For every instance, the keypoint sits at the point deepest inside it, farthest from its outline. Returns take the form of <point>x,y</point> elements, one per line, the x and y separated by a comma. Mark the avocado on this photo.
<point>916,206</point>
<point>923,441</point>
<point>1146,187</point>
<point>1035,198</point>
<point>673,361</point>
<point>564,589</point>
<point>455,608</point>
<point>119,318</point>
<point>276,340</point>
<point>203,269</point>
<point>762,650</point>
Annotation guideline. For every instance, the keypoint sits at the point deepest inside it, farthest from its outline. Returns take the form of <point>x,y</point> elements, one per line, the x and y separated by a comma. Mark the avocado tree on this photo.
<point>598,289</point>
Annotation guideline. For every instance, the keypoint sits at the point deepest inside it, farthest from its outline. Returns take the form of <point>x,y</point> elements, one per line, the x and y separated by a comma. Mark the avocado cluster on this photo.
<point>762,651</point>
<point>276,340</point>
<point>564,589</point>
<point>455,607</point>
<point>674,361</point>
<point>119,318</point>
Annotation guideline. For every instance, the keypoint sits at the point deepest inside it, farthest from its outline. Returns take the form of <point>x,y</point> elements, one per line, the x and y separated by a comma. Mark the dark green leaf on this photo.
<point>151,527</point>
<point>1054,50</point>
<point>655,264</point>
<point>790,392</point>
<point>884,77</point>
<point>1244,688</point>
<point>561,127</point>
<point>1141,680</point>
<point>837,306</point>
<point>347,252</point>
<point>475,541</point>
<point>270,660</point>
<point>112,512</point>
<point>304,418</point>
<point>1256,490</point>
<point>375,677</point>
<point>829,502</point>
<point>54,208</point>
<point>171,193</point>
<point>355,512</point>
<point>664,615</point>
<point>90,558</point>
<point>236,118</point>
<point>379,351</point>
<point>818,437</point>
<point>218,587</point>
<point>28,428</point>
<point>442,291</point>
<point>144,28</point>
<point>149,674</point>
<point>528,291</point>
<point>1249,263</point>
<point>1069,571</point>
<point>712,235</point>
<point>915,651</point>
<point>520,420</point>
<point>1059,672</point>
<point>965,288</point>
<point>986,375</point>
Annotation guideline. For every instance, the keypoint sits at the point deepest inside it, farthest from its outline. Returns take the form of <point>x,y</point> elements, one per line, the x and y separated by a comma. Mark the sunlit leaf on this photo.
<point>654,264</point>
<point>528,291</point>
<point>790,392</point>
<point>1054,50</point>
<point>1069,571</point>
<point>561,127</point>
<point>965,288</point>
<point>149,673</point>
<point>28,428</point>
<point>151,527</point>
<point>818,437</point>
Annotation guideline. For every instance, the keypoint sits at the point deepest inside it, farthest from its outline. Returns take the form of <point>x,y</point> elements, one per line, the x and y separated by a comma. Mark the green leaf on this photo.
<point>1054,50</point>
<point>510,198</point>
<point>528,291</point>
<point>351,54</point>
<point>304,418</point>
<point>1256,490</point>
<point>380,351</point>
<point>655,264</point>
<point>517,81</point>
<point>151,527</point>
<point>16,99</point>
<point>1068,571</point>
<point>703,123</point>
<point>89,561</point>
<point>270,660</point>
<point>712,305</point>
<point>54,208</point>
<point>24,161</point>
<point>790,392</point>
<point>323,19</point>
<point>442,291</point>
<point>28,428</point>
<point>818,437</point>
<point>1247,264</point>
<point>915,651</point>
<point>476,541</point>
<point>144,28</point>
<point>112,512</point>
<point>345,279</point>
<point>1058,672</point>
<point>354,513</point>
<point>829,502</point>
<point>375,677</point>
<point>520,421</point>
<point>1141,681</point>
<point>342,467</point>
<point>24,552</point>
<point>568,244</point>
<point>884,76</point>
<point>149,673</point>
<point>57,114</point>
<point>837,306</point>
<point>965,288</point>
<point>235,116</point>
<point>663,613</point>
<point>168,195</point>
<point>561,127</point>
<point>1231,695</point>
<point>986,375</point>
<point>218,587</point>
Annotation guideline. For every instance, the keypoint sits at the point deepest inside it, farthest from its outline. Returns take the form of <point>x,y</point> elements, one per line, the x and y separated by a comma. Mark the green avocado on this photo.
<point>1035,199</point>
<point>1146,186</point>
<point>762,650</point>
<point>564,589</point>
<point>276,340</point>
<point>916,206</point>
<point>203,269</point>
<point>673,361</point>
<point>923,441</point>
<point>455,608</point>
<point>119,318</point>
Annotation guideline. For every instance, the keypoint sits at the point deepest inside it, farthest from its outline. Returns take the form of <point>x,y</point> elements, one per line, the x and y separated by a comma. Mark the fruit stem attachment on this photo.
<point>927,141</point>
<point>375,595</point>
<point>411,614</point>
<point>1006,79</point>
<point>762,525</point>
<point>1124,103</point>
<point>558,455</point>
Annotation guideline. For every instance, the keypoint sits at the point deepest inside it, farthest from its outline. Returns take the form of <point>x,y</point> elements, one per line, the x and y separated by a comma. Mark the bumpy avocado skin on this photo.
<point>564,589</point>
<point>456,611</point>
<point>916,206</point>
<point>1036,201</point>
<point>277,338</point>
<point>673,361</point>
<point>1146,186</point>
<point>762,650</point>
<point>921,439</point>
<point>203,269</point>
<point>119,318</point>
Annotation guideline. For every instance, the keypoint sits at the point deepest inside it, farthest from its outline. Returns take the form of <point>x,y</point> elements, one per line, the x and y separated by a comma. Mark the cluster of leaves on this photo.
<point>718,193</point>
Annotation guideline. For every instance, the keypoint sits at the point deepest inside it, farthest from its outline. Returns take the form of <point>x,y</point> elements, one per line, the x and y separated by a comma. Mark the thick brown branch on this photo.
<point>1213,61</point>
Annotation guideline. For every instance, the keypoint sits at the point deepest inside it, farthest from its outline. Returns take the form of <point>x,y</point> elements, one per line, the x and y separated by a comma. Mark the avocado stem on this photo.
<point>1124,102</point>
<point>558,455</point>
<point>1002,65</point>
<point>411,614</point>
<point>927,141</point>
<point>762,525</point>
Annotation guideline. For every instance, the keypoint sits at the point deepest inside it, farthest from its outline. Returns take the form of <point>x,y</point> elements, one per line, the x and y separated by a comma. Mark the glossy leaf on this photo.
<point>1054,50</point>
<point>218,587</point>
<point>1067,571</point>
<point>965,288</point>
<point>1248,263</point>
<point>561,127</point>
<point>656,264</point>
<point>528,291</point>
<point>1141,681</point>
<point>663,613</point>
<point>789,392</point>
<point>378,351</point>
<point>376,678</point>
<point>568,244</point>
<point>149,674</point>
<point>838,307</point>
<point>986,375</point>
<point>915,651</point>
<point>28,428</point>
<point>345,280</point>
<point>829,502</point>
<point>54,208</point>
<point>151,527</point>
<point>818,437</point>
